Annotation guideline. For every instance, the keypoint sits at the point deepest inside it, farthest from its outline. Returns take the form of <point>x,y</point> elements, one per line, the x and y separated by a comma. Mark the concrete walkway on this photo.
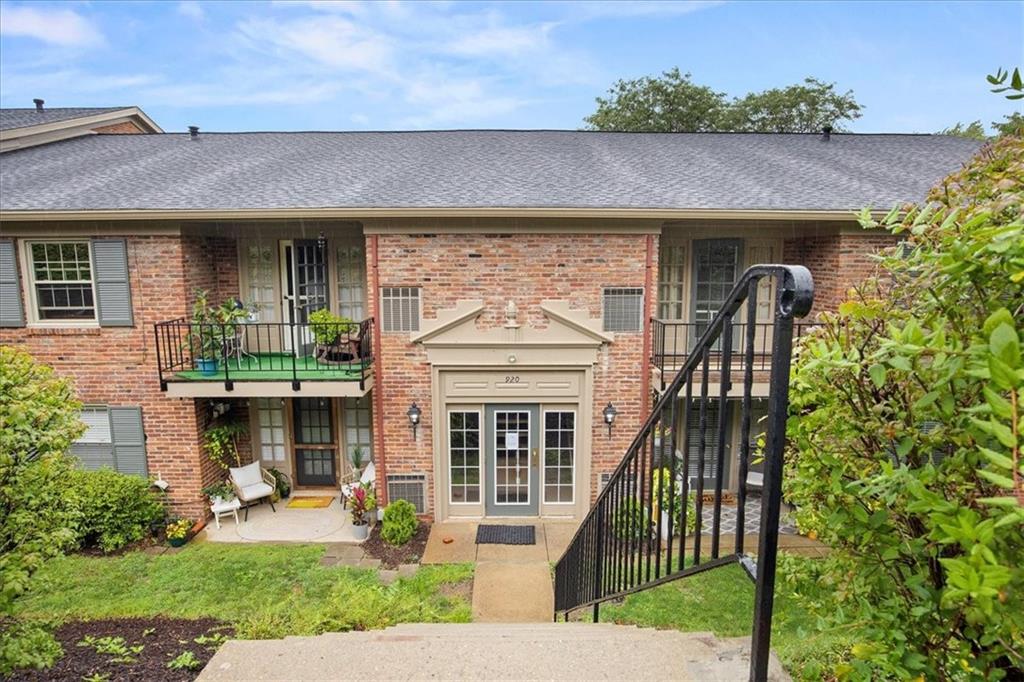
<point>330,524</point>
<point>512,583</point>
<point>482,651</point>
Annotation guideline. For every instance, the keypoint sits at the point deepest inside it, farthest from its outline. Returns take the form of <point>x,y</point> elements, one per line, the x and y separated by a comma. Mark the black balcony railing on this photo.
<point>673,341</point>
<point>635,535</point>
<point>264,351</point>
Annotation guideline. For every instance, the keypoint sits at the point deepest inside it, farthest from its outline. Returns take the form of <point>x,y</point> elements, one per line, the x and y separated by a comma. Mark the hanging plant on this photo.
<point>221,444</point>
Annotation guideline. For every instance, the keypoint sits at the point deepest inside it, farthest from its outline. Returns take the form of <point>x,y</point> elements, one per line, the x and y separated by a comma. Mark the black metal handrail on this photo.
<point>673,341</point>
<point>626,544</point>
<point>264,351</point>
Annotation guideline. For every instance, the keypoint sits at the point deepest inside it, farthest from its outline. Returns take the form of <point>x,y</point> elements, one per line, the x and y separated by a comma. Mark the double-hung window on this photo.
<point>62,281</point>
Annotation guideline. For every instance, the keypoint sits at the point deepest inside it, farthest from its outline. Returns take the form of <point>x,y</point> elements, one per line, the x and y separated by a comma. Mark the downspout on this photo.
<point>378,380</point>
<point>645,379</point>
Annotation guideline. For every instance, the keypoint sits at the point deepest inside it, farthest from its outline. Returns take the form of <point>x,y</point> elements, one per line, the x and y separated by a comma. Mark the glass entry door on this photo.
<point>315,443</point>
<point>304,287</point>
<point>513,461</point>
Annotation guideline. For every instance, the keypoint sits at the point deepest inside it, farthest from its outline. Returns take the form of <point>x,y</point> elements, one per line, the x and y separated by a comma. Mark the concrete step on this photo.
<point>481,651</point>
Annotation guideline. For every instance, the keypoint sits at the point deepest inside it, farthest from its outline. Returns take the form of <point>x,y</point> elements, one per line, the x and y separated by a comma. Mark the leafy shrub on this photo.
<point>400,522</point>
<point>38,422</point>
<point>116,509</point>
<point>905,438</point>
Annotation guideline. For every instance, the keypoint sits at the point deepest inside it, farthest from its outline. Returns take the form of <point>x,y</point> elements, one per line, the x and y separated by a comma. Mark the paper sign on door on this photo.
<point>512,441</point>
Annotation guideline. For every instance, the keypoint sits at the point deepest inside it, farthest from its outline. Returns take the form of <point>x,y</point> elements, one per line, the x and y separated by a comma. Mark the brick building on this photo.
<point>507,286</point>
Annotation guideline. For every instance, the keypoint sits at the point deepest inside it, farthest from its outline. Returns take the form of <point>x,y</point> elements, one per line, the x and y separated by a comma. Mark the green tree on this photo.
<point>973,130</point>
<point>38,422</point>
<point>1013,124</point>
<point>906,431</point>
<point>674,103</point>
<point>801,108</point>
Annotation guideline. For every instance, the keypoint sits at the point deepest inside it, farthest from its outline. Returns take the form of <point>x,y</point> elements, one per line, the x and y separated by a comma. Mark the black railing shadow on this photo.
<point>627,542</point>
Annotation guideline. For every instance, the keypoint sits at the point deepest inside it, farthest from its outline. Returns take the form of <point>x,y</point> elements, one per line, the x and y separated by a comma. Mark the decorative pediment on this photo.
<point>571,336</point>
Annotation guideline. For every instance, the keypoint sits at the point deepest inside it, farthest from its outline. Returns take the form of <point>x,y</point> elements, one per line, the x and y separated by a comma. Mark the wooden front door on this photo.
<point>315,442</point>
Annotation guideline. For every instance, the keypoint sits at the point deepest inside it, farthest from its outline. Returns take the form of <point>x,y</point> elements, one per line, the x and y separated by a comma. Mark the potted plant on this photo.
<point>177,532</point>
<point>356,459</point>
<point>283,485</point>
<point>221,443</point>
<point>361,504</point>
<point>332,334</point>
<point>204,337</point>
<point>219,492</point>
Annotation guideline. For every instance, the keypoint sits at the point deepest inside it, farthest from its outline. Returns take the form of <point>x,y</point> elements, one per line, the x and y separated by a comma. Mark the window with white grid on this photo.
<point>559,456</point>
<point>400,309</point>
<point>623,309</point>
<point>672,282</point>
<point>260,274</point>
<point>464,457</point>
<point>351,282</point>
<point>358,429</point>
<point>62,280</point>
<point>270,412</point>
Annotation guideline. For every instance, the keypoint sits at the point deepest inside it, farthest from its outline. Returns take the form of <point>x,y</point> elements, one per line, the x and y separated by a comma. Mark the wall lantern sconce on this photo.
<point>321,241</point>
<point>219,408</point>
<point>414,417</point>
<point>609,417</point>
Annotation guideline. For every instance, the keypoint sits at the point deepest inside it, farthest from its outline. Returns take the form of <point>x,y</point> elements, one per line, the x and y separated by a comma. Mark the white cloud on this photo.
<point>330,41</point>
<point>638,8</point>
<point>55,26</point>
<point>502,41</point>
<point>191,9</point>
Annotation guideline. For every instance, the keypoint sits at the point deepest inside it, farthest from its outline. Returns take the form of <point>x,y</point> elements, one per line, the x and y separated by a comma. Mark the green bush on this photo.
<point>905,439</point>
<point>400,522</point>
<point>116,509</point>
<point>38,422</point>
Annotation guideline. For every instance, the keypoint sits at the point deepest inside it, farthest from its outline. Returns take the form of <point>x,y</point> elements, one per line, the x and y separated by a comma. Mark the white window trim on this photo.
<point>32,318</point>
<point>480,466</point>
<point>575,453</point>
<point>529,468</point>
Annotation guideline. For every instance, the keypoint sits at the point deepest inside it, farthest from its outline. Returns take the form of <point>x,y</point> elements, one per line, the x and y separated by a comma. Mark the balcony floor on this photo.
<point>277,367</point>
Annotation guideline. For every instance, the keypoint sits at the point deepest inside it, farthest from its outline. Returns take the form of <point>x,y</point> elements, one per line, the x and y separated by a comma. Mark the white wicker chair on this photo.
<point>253,483</point>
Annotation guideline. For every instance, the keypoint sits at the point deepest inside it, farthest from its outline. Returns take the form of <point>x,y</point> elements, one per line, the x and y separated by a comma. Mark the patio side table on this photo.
<point>222,508</point>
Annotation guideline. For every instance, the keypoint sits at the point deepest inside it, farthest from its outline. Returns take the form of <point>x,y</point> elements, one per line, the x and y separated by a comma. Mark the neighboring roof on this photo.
<point>475,169</point>
<point>23,128</point>
<point>23,118</point>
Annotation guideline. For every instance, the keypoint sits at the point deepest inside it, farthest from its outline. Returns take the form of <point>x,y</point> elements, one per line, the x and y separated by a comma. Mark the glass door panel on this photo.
<point>716,264</point>
<point>512,449</point>
<point>315,446</point>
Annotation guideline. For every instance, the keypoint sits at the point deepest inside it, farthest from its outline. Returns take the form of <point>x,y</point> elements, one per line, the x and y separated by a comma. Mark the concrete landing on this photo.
<point>472,651</point>
<point>513,592</point>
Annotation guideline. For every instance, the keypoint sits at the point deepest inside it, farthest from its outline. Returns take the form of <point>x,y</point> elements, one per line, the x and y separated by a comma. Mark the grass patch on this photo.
<point>722,601</point>
<point>263,590</point>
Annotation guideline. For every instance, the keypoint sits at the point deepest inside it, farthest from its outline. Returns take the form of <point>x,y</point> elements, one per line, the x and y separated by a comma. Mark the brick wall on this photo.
<point>837,262</point>
<point>526,268</point>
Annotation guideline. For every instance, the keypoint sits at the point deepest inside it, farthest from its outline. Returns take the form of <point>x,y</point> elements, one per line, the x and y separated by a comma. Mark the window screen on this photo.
<point>623,310</point>
<point>400,309</point>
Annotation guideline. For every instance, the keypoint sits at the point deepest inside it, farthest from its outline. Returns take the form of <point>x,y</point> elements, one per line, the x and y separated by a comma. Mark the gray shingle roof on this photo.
<point>24,118</point>
<point>478,168</point>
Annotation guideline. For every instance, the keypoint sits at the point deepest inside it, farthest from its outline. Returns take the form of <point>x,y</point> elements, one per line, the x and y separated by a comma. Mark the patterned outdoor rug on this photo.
<point>311,502</point>
<point>505,535</point>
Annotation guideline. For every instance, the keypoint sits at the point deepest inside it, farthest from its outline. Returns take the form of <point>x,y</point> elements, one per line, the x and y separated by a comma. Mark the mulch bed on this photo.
<point>168,638</point>
<point>391,557</point>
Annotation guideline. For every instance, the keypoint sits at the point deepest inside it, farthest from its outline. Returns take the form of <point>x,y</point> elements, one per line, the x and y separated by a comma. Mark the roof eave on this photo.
<point>354,213</point>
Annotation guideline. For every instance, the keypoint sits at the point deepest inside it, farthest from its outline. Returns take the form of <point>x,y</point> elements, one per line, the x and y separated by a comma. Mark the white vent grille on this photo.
<point>400,309</point>
<point>623,310</point>
<point>410,487</point>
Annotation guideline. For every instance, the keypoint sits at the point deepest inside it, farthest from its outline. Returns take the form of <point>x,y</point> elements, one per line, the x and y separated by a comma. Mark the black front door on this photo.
<point>315,447</point>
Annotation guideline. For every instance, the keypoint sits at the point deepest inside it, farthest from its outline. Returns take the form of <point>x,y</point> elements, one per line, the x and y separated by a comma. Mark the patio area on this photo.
<point>330,524</point>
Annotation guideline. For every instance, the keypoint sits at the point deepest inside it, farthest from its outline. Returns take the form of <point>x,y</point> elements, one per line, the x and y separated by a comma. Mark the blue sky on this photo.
<point>917,67</point>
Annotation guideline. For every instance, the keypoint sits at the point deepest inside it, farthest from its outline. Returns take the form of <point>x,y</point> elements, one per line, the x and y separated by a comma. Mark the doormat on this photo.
<point>505,535</point>
<point>311,502</point>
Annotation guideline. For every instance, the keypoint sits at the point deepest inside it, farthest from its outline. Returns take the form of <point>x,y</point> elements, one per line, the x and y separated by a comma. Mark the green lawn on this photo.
<point>722,601</point>
<point>264,590</point>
